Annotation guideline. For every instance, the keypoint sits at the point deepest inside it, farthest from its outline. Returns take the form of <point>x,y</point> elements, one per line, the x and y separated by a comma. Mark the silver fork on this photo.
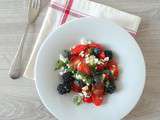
<point>15,70</point>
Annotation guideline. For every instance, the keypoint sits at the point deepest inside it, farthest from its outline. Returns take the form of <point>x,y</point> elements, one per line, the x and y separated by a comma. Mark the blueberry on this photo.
<point>96,51</point>
<point>109,54</point>
<point>66,53</point>
<point>110,87</point>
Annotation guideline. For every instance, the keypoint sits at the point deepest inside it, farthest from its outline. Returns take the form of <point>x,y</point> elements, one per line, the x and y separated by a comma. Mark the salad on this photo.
<point>90,70</point>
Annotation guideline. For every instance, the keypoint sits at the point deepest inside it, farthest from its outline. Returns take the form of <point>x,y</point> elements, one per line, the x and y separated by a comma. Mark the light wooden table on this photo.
<point>19,100</point>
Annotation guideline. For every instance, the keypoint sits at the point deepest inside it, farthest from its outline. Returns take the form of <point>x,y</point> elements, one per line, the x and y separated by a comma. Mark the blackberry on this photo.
<point>66,53</point>
<point>63,88</point>
<point>96,51</point>
<point>67,77</point>
<point>109,54</point>
<point>110,87</point>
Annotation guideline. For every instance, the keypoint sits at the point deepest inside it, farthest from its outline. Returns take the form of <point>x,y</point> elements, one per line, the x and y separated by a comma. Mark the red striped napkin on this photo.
<point>61,11</point>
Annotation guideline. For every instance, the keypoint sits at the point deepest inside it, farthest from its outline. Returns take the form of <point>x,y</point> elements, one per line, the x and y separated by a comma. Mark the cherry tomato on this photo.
<point>97,100</point>
<point>75,60</point>
<point>102,55</point>
<point>100,67</point>
<point>78,48</point>
<point>84,68</point>
<point>111,63</point>
<point>115,71</point>
<point>75,87</point>
<point>87,99</point>
<point>113,67</point>
<point>107,76</point>
<point>98,89</point>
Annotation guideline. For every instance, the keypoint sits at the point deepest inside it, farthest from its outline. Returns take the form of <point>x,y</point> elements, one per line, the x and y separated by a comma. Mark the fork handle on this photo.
<point>15,70</point>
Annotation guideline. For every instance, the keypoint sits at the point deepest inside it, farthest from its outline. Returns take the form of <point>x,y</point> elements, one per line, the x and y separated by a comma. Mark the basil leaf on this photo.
<point>59,65</point>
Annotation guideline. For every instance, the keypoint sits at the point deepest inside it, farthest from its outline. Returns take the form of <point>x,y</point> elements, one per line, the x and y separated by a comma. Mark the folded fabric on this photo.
<point>61,11</point>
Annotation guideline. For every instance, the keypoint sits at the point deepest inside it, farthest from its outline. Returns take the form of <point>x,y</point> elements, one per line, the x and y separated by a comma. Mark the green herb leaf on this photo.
<point>69,69</point>
<point>77,100</point>
<point>88,79</point>
<point>93,67</point>
<point>59,65</point>
<point>106,71</point>
<point>107,83</point>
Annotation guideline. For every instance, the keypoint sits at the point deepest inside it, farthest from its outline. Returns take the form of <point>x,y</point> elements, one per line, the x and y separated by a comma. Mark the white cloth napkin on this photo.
<point>61,11</point>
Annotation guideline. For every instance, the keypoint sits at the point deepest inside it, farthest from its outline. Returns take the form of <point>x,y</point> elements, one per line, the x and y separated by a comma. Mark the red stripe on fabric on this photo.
<point>78,15</point>
<point>78,12</point>
<point>61,9</point>
<point>67,11</point>
<point>64,8</point>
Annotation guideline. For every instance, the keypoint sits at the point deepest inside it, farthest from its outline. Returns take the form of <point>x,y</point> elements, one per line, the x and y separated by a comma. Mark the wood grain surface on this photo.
<point>19,99</point>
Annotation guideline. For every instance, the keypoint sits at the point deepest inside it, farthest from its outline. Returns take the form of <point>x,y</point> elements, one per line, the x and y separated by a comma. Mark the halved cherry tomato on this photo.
<point>98,89</point>
<point>78,48</point>
<point>110,63</point>
<point>87,52</point>
<point>107,76</point>
<point>75,87</point>
<point>113,67</point>
<point>100,67</point>
<point>87,99</point>
<point>102,55</point>
<point>97,100</point>
<point>84,68</point>
<point>75,60</point>
<point>115,71</point>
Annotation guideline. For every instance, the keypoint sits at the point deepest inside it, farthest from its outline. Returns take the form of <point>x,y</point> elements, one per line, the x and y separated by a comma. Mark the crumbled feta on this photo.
<point>88,84</point>
<point>103,75</point>
<point>87,55</point>
<point>89,42</point>
<point>85,88</point>
<point>78,76</point>
<point>72,47</point>
<point>85,94</point>
<point>83,41</point>
<point>106,59</point>
<point>83,80</point>
<point>81,53</point>
<point>68,66</point>
<point>62,58</point>
<point>91,60</point>
<point>62,71</point>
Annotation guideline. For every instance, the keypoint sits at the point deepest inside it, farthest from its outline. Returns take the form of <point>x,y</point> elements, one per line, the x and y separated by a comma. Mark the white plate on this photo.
<point>130,84</point>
